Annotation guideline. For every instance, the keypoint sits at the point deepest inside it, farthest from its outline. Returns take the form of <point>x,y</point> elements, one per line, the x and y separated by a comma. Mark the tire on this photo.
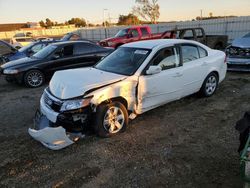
<point>106,120</point>
<point>34,78</point>
<point>209,85</point>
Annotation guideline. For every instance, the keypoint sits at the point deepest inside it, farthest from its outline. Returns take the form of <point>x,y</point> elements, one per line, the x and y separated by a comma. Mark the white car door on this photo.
<point>157,89</point>
<point>195,67</point>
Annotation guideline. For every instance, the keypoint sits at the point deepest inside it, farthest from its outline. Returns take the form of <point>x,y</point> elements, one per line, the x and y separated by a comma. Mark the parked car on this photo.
<point>5,50</point>
<point>21,39</point>
<point>133,34</point>
<point>75,37</point>
<point>238,54</point>
<point>34,70</point>
<point>27,51</point>
<point>144,33</point>
<point>135,78</point>
<point>198,34</point>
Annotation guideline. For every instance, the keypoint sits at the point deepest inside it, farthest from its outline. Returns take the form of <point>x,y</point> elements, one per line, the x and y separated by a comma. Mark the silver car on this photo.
<point>238,54</point>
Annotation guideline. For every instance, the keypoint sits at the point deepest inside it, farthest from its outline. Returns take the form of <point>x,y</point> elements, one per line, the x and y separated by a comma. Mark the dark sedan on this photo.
<point>34,70</point>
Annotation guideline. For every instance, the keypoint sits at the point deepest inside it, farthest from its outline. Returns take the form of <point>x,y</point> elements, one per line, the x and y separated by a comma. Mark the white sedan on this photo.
<point>135,78</point>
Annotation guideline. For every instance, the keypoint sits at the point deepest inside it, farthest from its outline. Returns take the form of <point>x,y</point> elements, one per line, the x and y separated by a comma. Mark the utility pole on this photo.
<point>104,22</point>
<point>201,14</point>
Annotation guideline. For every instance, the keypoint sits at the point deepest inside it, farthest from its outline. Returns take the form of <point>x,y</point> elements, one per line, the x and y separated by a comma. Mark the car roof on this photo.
<point>150,44</point>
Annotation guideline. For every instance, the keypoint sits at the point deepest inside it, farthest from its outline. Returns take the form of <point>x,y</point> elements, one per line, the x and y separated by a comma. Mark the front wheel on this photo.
<point>111,119</point>
<point>209,85</point>
<point>34,78</point>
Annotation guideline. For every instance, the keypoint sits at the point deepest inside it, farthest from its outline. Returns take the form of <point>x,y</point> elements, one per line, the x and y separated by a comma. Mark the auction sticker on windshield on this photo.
<point>142,52</point>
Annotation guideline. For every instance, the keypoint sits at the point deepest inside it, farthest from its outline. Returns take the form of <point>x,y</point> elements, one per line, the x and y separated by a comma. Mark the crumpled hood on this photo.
<point>242,43</point>
<point>75,82</point>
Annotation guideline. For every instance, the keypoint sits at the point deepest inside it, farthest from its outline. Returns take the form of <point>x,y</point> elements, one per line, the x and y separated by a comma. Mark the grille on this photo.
<point>238,52</point>
<point>51,103</point>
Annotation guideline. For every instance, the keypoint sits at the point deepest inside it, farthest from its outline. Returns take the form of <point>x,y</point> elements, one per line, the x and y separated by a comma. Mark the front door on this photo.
<point>157,89</point>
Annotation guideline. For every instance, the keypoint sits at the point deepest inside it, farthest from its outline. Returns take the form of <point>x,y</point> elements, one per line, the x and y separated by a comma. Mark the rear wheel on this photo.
<point>34,78</point>
<point>209,85</point>
<point>111,119</point>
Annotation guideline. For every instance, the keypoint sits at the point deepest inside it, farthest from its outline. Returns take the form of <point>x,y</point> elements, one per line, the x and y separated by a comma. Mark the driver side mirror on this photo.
<point>153,70</point>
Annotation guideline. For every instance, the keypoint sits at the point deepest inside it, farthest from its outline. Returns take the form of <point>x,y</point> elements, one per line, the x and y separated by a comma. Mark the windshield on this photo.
<point>23,49</point>
<point>122,33</point>
<point>123,61</point>
<point>247,35</point>
<point>45,52</point>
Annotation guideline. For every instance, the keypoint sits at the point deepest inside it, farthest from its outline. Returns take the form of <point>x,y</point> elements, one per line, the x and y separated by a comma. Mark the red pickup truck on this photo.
<point>133,34</point>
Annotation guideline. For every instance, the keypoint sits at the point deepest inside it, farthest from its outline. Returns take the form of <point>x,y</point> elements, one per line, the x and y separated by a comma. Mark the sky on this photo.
<point>21,11</point>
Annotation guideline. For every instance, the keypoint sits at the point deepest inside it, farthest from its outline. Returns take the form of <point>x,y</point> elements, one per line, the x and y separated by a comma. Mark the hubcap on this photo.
<point>211,85</point>
<point>35,79</point>
<point>113,120</point>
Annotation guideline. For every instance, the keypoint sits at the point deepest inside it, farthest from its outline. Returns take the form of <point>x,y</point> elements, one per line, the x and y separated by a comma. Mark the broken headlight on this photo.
<point>75,104</point>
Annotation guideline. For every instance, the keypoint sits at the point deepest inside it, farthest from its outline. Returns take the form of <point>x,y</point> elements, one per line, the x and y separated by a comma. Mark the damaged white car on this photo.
<point>135,78</point>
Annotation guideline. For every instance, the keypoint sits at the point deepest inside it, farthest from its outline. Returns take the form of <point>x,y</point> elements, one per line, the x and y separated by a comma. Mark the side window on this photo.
<point>187,34</point>
<point>144,31</point>
<point>189,53</point>
<point>67,51</point>
<point>134,32</point>
<point>84,48</point>
<point>167,58</point>
<point>37,47</point>
<point>202,52</point>
<point>74,37</point>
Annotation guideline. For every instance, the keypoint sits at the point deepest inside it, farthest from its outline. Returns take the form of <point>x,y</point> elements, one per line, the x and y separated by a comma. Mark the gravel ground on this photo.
<point>187,143</point>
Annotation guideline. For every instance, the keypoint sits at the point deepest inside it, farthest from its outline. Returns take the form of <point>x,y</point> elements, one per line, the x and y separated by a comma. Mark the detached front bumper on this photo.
<point>51,131</point>
<point>238,64</point>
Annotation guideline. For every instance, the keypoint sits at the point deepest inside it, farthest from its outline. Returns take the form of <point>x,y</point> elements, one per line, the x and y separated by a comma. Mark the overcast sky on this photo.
<point>14,11</point>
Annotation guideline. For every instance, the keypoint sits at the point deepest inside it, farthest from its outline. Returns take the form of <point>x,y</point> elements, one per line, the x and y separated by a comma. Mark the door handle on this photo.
<point>204,63</point>
<point>178,74</point>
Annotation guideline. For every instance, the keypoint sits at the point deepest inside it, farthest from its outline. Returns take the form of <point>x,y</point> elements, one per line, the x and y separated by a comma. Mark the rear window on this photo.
<point>202,52</point>
<point>189,53</point>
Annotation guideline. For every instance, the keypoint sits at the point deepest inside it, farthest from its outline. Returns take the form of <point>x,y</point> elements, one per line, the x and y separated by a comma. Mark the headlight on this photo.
<point>110,43</point>
<point>75,104</point>
<point>10,71</point>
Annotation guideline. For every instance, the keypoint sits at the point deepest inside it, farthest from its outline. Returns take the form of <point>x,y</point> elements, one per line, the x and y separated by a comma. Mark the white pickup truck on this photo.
<point>135,78</point>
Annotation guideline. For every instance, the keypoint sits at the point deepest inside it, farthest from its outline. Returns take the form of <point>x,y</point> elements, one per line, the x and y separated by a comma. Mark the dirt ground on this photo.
<point>187,143</point>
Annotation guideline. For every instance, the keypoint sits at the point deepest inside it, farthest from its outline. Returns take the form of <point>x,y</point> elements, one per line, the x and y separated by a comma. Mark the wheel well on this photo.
<point>218,44</point>
<point>118,99</point>
<point>217,74</point>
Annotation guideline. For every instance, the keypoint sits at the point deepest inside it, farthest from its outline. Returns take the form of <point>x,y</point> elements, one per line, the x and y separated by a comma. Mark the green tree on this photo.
<point>147,9</point>
<point>129,19</point>
<point>42,24</point>
<point>49,23</point>
<point>79,22</point>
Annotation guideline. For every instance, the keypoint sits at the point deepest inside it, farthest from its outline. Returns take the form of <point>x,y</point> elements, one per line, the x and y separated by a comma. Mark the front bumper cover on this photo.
<point>238,64</point>
<point>47,132</point>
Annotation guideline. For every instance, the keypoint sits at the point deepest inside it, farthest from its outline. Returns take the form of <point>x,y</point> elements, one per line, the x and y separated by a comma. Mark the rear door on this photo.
<point>158,89</point>
<point>145,35</point>
<point>87,54</point>
<point>195,67</point>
